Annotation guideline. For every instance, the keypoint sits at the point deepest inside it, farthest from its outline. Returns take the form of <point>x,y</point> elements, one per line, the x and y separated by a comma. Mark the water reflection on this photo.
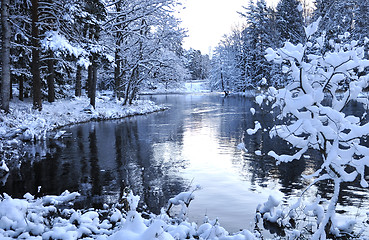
<point>162,154</point>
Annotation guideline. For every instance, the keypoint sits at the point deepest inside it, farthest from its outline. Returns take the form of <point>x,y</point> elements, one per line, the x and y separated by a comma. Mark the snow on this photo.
<point>241,146</point>
<point>196,86</point>
<point>3,168</point>
<point>347,226</point>
<point>259,99</point>
<point>28,124</point>
<point>58,43</point>
<point>40,218</point>
<point>300,8</point>
<point>251,131</point>
<point>312,28</point>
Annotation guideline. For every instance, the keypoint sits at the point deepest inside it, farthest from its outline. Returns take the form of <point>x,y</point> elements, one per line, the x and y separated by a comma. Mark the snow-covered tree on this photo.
<point>197,64</point>
<point>55,40</point>
<point>259,34</point>
<point>290,22</point>
<point>227,64</point>
<point>361,19</point>
<point>313,114</point>
<point>141,30</point>
<point>168,59</point>
<point>337,19</point>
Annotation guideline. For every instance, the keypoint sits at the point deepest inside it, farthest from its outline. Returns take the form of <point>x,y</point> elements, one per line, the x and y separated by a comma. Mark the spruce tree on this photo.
<point>290,22</point>
<point>259,34</point>
<point>361,19</point>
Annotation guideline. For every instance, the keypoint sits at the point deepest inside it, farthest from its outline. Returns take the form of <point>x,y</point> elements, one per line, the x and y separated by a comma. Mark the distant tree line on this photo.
<point>50,47</point>
<point>197,64</point>
<point>238,63</point>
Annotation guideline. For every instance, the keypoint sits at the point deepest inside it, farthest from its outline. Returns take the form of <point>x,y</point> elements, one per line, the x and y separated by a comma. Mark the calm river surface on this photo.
<point>161,154</point>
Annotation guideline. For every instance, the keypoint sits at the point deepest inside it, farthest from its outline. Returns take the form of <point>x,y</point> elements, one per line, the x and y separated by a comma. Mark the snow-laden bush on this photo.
<point>52,217</point>
<point>313,114</point>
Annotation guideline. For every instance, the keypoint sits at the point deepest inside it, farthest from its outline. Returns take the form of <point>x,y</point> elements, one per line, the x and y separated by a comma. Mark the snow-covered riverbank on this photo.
<point>26,124</point>
<point>29,124</point>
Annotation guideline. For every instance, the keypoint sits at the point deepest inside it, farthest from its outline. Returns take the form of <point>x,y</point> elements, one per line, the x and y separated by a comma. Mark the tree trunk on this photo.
<point>78,88</point>
<point>21,93</point>
<point>51,78</point>
<point>5,85</point>
<point>35,65</point>
<point>133,95</point>
<point>117,81</point>
<point>11,88</point>
<point>92,89</point>
<point>89,79</point>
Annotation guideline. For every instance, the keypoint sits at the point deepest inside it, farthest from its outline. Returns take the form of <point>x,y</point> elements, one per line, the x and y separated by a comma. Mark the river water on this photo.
<point>162,154</point>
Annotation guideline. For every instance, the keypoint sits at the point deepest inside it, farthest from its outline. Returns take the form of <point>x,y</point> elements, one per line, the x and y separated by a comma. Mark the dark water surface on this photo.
<point>161,154</point>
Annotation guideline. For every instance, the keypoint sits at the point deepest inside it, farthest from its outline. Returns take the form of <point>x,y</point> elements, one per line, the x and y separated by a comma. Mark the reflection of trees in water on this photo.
<point>158,141</point>
<point>94,161</point>
<point>31,174</point>
<point>101,159</point>
<point>127,162</point>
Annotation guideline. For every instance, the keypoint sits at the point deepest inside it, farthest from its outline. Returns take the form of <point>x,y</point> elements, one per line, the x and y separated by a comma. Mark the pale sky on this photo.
<point>208,20</point>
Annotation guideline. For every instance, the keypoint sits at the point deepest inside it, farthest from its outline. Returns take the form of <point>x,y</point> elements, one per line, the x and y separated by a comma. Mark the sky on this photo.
<point>208,20</point>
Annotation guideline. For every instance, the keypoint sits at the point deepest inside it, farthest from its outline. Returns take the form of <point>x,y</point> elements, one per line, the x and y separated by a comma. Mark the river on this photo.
<point>162,154</point>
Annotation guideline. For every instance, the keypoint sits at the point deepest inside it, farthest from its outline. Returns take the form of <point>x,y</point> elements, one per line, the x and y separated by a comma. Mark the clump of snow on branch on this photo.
<point>58,43</point>
<point>251,131</point>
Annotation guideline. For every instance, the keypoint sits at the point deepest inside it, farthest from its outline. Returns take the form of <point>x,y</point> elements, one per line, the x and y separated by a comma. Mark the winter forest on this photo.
<point>300,69</point>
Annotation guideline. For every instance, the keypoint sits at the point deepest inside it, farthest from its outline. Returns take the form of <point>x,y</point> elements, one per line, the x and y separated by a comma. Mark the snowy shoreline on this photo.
<point>26,124</point>
<point>67,112</point>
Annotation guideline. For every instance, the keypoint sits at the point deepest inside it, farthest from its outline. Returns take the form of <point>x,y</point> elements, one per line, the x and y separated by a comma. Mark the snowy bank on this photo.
<point>190,86</point>
<point>25,123</point>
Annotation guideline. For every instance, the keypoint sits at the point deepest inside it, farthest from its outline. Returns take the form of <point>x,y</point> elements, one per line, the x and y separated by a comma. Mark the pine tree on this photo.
<point>337,17</point>
<point>259,34</point>
<point>290,22</point>
<point>361,20</point>
<point>97,13</point>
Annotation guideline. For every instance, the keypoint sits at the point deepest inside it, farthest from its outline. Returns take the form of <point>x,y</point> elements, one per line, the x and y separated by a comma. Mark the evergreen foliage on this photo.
<point>267,27</point>
<point>290,22</point>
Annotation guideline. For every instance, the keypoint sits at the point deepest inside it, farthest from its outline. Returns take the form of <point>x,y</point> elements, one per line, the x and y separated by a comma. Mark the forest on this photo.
<point>238,63</point>
<point>52,47</point>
